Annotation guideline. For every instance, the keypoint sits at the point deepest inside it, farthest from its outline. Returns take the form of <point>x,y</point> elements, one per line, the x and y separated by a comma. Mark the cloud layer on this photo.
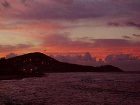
<point>71,25</point>
<point>126,62</point>
<point>72,9</point>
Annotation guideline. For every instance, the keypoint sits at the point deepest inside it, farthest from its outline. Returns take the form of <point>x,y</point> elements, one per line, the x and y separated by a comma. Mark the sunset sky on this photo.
<point>101,27</point>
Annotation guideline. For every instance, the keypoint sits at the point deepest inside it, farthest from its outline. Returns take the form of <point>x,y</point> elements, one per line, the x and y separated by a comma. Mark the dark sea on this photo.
<point>73,89</point>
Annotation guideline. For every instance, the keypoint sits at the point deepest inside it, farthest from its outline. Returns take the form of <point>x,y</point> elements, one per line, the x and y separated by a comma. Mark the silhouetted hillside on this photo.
<point>38,63</point>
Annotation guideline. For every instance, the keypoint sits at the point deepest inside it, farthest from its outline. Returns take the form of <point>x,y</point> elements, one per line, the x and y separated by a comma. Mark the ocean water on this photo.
<point>73,89</point>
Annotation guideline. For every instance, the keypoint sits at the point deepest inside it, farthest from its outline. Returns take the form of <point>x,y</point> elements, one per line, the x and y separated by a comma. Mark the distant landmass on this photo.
<point>36,64</point>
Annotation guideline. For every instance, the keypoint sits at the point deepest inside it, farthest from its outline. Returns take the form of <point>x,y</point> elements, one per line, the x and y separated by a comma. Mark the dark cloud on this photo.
<point>133,24</point>
<point>126,37</point>
<point>121,24</point>
<point>115,43</point>
<point>126,62</point>
<point>6,4</point>
<point>62,40</point>
<point>79,9</point>
<point>120,58</point>
<point>84,59</point>
<point>136,35</point>
<point>65,41</point>
<point>115,24</point>
<point>6,48</point>
<point>74,10</point>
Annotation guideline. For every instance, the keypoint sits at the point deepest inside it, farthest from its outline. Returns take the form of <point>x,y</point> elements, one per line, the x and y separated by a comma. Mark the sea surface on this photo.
<point>73,89</point>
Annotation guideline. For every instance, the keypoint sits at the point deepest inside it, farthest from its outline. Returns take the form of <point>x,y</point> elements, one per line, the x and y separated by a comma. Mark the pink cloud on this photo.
<point>10,48</point>
<point>65,40</point>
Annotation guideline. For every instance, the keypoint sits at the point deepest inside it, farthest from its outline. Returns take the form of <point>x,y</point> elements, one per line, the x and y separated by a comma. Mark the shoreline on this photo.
<point>19,77</point>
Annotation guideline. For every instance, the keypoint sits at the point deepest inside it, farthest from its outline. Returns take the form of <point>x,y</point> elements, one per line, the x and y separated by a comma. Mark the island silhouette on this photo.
<point>37,64</point>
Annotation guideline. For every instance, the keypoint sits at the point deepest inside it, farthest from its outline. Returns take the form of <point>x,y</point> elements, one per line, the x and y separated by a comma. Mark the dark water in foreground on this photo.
<point>73,89</point>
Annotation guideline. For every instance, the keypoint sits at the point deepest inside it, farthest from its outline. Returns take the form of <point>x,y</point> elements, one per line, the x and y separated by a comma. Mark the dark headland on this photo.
<point>36,64</point>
